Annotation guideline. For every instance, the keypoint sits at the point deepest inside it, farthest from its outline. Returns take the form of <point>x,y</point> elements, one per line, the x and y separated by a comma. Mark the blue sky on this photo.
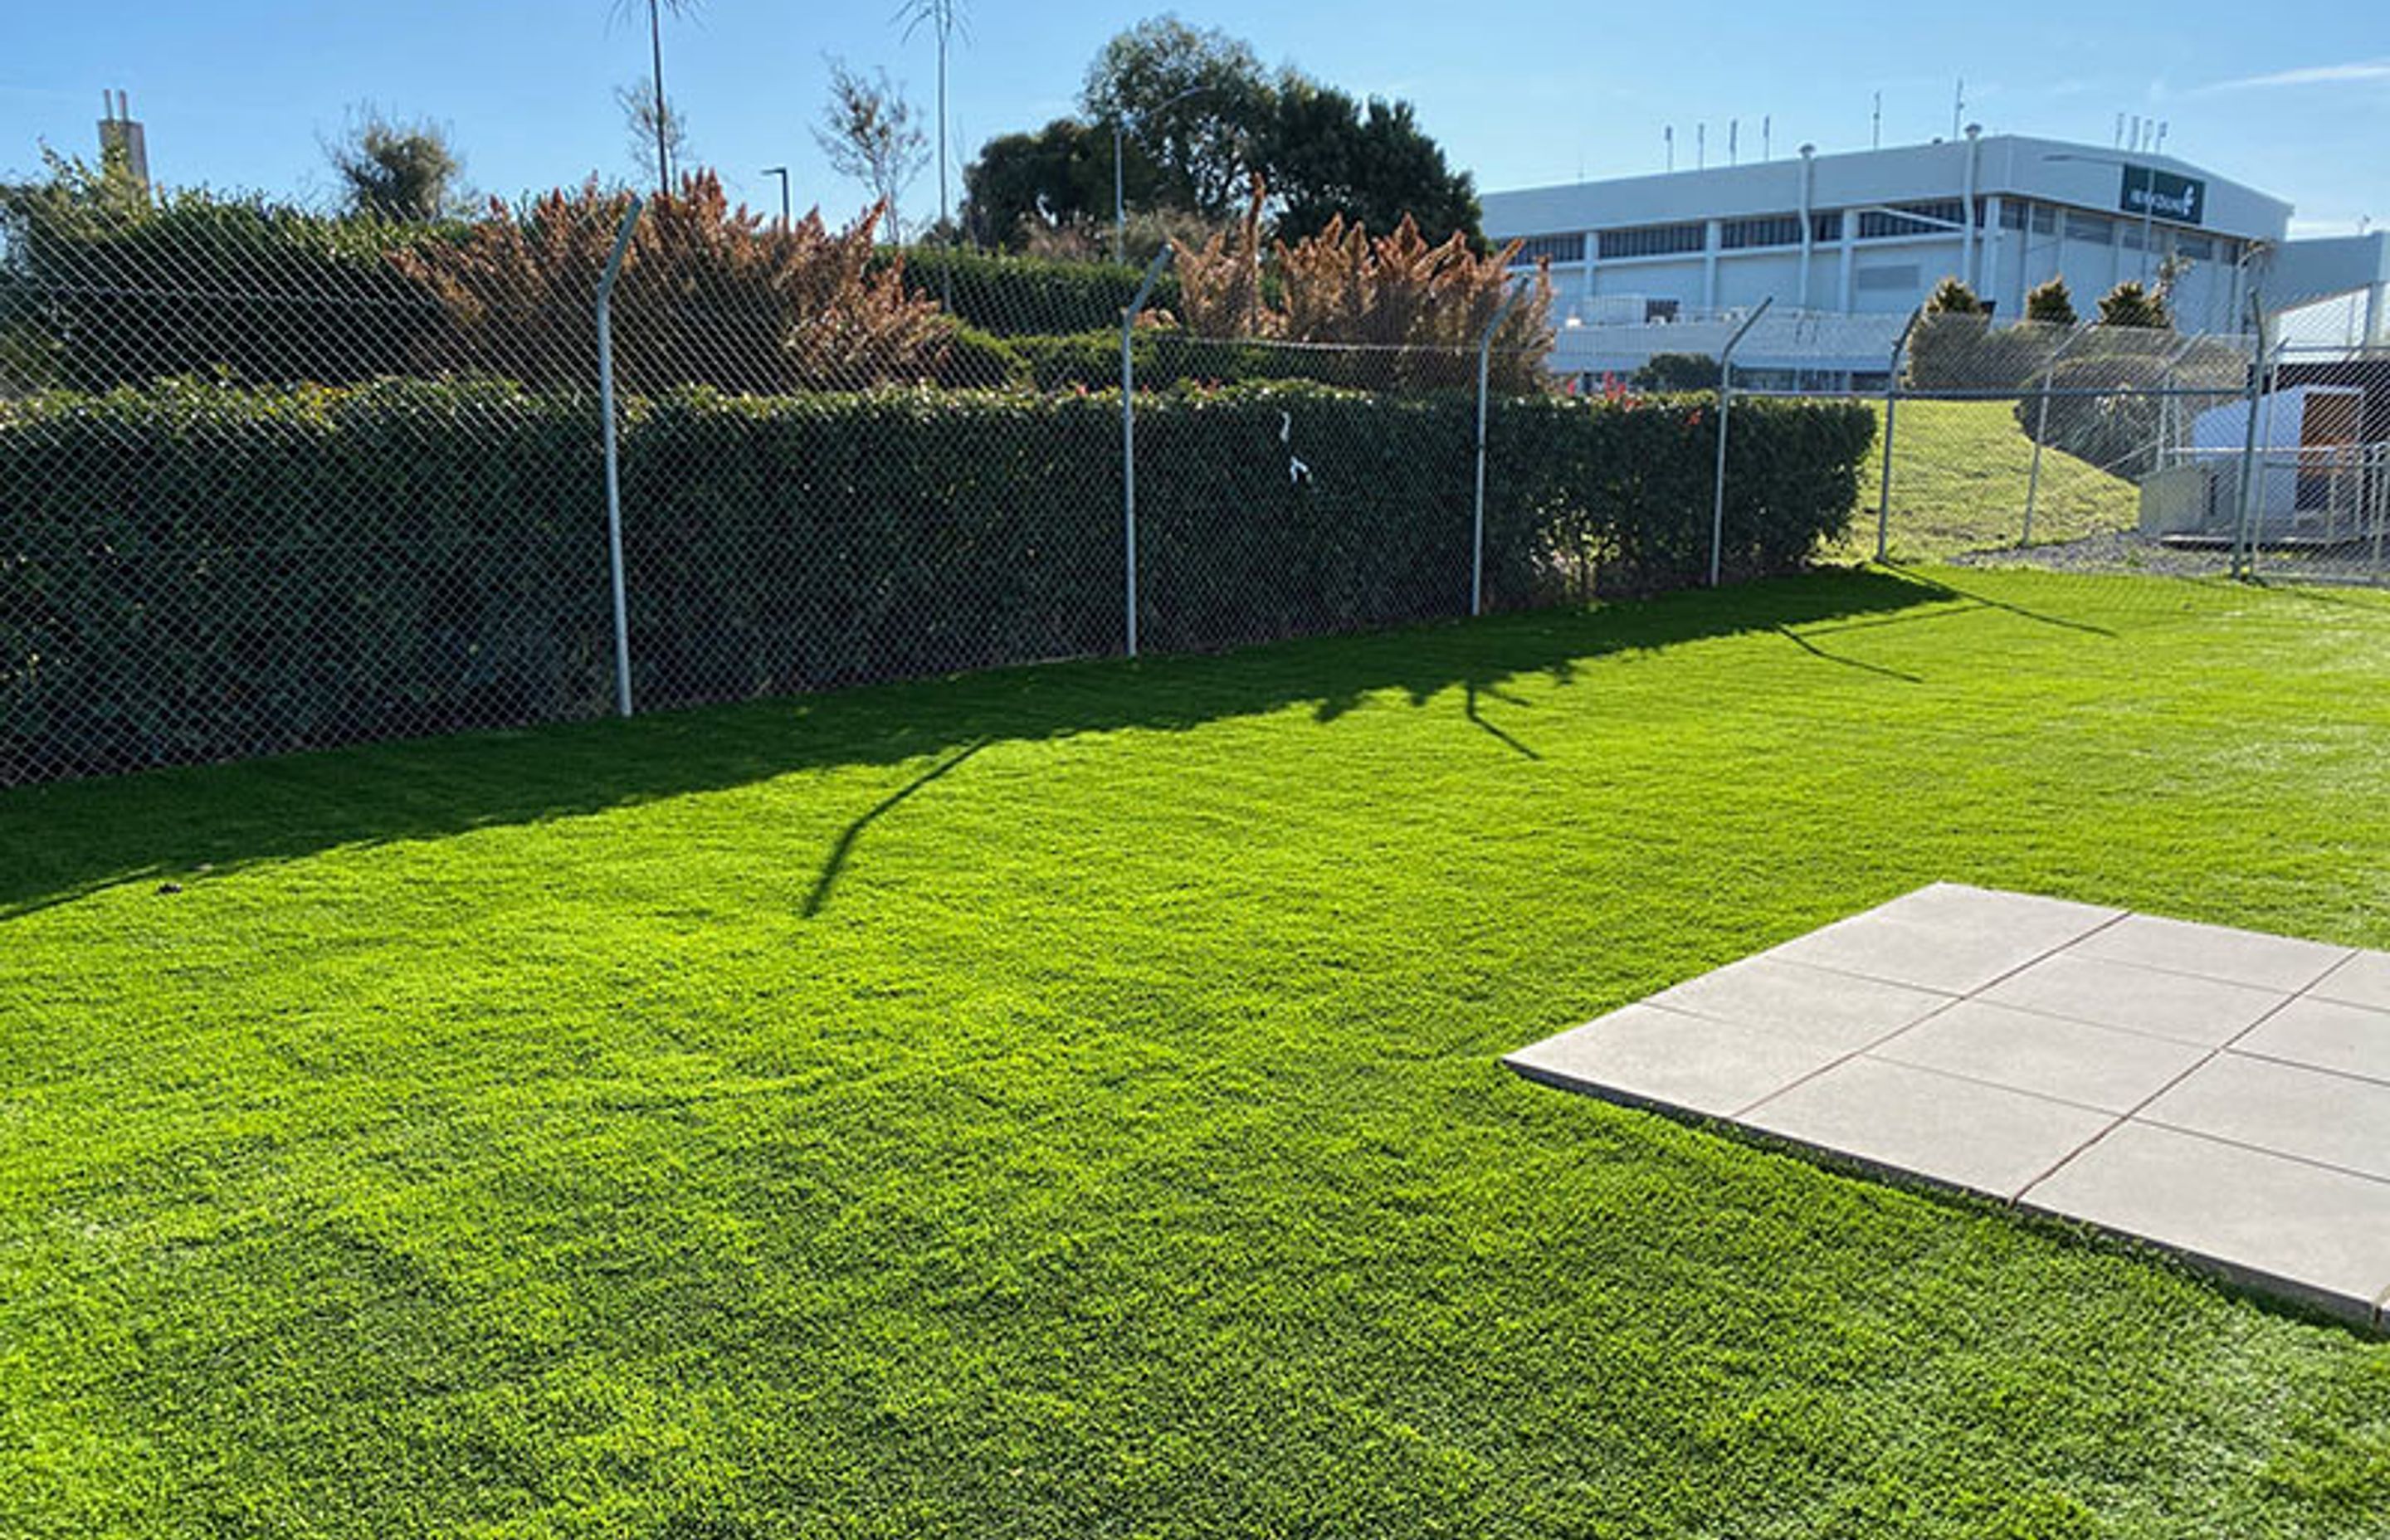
<point>2293,97</point>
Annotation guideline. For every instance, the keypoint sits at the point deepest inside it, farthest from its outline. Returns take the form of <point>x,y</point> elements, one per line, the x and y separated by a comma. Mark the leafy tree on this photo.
<point>1059,174</point>
<point>869,133</point>
<point>397,170</point>
<point>2052,303</point>
<point>657,121</point>
<point>1194,100</point>
<point>654,120</point>
<point>2130,305</point>
<point>1328,156</point>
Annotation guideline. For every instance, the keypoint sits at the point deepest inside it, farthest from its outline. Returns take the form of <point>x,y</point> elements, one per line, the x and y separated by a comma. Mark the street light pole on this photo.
<point>783,172</point>
<point>1120,207</point>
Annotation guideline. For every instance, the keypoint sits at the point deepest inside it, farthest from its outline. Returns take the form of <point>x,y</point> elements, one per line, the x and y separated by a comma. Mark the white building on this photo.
<point>1648,265</point>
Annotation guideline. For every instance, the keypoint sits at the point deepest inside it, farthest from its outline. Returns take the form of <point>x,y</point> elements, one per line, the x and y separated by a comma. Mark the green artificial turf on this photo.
<point>1960,473</point>
<point>1066,1102</point>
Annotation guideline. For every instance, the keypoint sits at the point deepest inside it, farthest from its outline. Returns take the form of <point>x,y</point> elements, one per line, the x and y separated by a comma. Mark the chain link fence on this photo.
<point>2133,450</point>
<point>273,482</point>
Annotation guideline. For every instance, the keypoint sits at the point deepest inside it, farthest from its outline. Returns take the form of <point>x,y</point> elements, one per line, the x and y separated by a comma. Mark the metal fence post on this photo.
<point>1128,432</point>
<point>1890,404</point>
<point>2244,524</point>
<point>613,452</point>
<point>1726,398</point>
<point>2041,433</point>
<point>1485,368</point>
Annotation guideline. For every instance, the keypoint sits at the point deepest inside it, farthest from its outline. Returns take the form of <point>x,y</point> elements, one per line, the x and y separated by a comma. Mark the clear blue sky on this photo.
<point>2293,98</point>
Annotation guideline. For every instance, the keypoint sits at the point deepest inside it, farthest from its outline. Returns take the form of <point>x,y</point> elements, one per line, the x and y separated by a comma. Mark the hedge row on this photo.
<point>1012,296</point>
<point>193,573</point>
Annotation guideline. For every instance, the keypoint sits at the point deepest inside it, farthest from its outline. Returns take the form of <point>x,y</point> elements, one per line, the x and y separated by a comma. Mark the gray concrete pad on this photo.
<point>2216,951</point>
<point>2100,1068</point>
<point>2287,1108</point>
<point>2324,1035</point>
<point>1834,1011</point>
<point>2189,1010</point>
<point>1960,1131</point>
<point>2363,979</point>
<point>1668,1059</point>
<point>2221,1092</point>
<point>2306,1230</point>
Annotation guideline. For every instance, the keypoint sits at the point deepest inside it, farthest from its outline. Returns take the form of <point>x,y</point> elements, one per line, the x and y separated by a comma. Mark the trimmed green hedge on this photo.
<point>1014,296</point>
<point>189,572</point>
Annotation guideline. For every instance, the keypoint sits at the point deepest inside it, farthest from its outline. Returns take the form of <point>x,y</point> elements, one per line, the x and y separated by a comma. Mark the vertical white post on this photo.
<point>613,452</point>
<point>2041,434</point>
<point>1890,404</point>
<point>2244,533</point>
<point>1726,397</point>
<point>1129,433</point>
<point>1484,367</point>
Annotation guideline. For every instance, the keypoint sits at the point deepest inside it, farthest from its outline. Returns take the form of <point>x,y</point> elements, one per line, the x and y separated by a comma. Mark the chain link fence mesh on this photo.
<point>281,482</point>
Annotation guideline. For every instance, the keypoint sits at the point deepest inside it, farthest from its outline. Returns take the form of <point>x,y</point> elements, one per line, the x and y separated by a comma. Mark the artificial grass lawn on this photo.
<point>1064,1102</point>
<point>1959,475</point>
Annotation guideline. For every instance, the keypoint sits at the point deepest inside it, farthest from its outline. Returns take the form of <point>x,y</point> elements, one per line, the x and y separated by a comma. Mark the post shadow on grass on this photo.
<point>1468,709</point>
<point>62,840</point>
<point>834,865</point>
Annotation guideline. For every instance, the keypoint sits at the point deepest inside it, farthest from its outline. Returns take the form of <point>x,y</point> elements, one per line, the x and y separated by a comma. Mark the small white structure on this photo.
<point>2316,477</point>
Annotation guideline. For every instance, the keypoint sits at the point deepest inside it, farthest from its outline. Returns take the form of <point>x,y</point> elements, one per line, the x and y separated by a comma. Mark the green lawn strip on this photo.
<point>1960,472</point>
<point>1065,1101</point>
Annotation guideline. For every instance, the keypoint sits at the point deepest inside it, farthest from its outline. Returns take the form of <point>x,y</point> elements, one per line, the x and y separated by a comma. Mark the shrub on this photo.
<point>191,572</point>
<point>104,283</point>
<point>709,295</point>
<point>1665,373</point>
<point>1343,286</point>
<point>1011,296</point>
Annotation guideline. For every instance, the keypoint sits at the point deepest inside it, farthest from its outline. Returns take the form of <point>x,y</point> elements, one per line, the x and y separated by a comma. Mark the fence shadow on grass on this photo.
<point>58,843</point>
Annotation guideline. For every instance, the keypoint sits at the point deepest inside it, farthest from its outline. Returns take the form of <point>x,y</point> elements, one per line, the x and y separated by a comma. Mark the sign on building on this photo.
<point>2163,195</point>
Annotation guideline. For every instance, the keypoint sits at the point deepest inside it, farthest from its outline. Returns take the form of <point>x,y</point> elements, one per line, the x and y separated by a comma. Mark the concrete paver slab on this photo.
<point>1666,1057</point>
<point>2047,1056</point>
<point>1834,1011</point>
<point>2285,1225</point>
<point>1960,1131</point>
<point>2222,1092</point>
<point>2216,951</point>
<point>2287,1108</point>
<point>2324,1035</point>
<point>2363,979</point>
<point>2180,1006</point>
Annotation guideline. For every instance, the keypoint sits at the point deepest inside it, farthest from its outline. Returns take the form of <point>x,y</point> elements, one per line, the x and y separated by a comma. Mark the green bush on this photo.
<point>975,360</point>
<point>192,572</point>
<point>1011,295</point>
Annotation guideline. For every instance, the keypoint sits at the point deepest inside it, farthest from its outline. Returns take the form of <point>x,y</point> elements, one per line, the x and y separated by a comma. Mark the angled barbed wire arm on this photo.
<point>1511,295</point>
<point>1890,404</point>
<point>613,452</point>
<point>2042,428</point>
<point>1726,395</point>
<point>1128,433</point>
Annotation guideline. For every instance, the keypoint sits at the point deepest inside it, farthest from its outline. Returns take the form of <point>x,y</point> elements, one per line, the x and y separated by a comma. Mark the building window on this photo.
<point>2195,248</point>
<point>1765,230</point>
<point>1880,278</point>
<point>1931,218</point>
<point>1652,240</point>
<point>1660,310</point>
<point>1826,227</point>
<point>2011,216</point>
<point>2045,220</point>
<point>2090,228</point>
<point>1535,249</point>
